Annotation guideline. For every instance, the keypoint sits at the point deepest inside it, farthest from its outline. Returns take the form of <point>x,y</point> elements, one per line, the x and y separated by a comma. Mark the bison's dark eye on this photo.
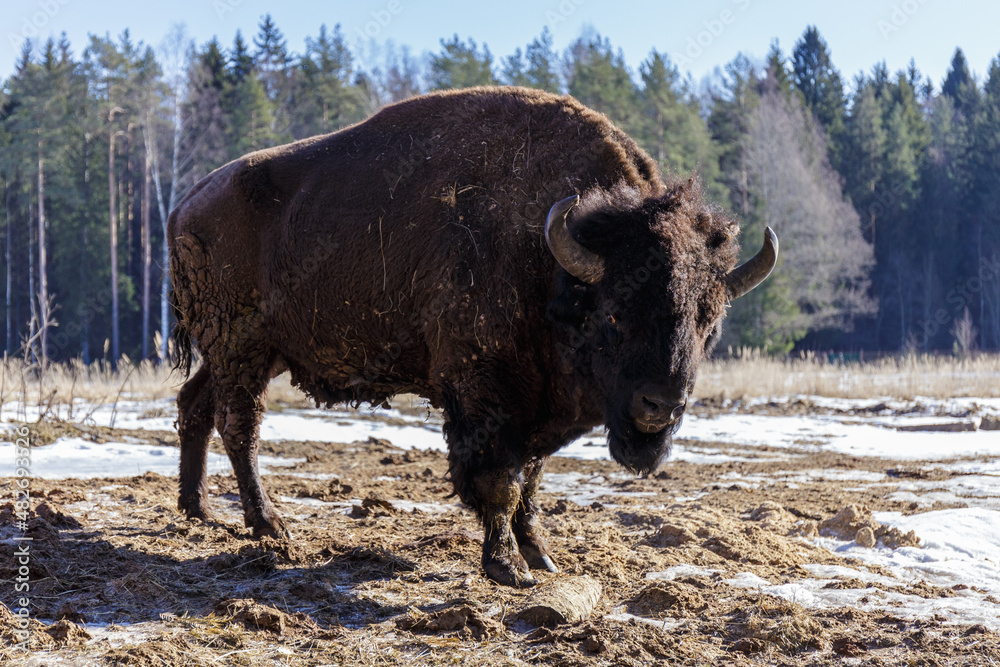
<point>611,319</point>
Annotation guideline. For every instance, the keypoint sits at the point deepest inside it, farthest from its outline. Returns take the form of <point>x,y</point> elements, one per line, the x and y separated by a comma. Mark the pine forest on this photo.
<point>884,188</point>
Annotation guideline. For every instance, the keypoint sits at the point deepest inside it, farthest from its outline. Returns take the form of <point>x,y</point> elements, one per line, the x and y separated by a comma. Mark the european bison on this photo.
<point>412,253</point>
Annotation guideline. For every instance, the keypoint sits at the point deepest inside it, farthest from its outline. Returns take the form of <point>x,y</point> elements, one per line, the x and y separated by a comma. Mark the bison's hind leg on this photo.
<point>195,414</point>
<point>240,403</point>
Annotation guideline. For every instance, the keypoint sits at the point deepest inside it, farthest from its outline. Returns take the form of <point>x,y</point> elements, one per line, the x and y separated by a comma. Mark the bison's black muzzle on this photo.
<point>655,408</point>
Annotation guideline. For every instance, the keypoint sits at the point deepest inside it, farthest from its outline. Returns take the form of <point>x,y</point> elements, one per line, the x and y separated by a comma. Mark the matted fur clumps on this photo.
<point>698,234</point>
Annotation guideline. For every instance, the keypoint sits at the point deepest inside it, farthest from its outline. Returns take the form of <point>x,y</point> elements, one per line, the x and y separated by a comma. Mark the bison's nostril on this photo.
<point>661,409</point>
<point>654,408</point>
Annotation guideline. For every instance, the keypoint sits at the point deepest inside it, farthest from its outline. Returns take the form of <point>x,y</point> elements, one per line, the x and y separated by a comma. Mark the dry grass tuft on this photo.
<point>70,390</point>
<point>67,390</point>
<point>754,375</point>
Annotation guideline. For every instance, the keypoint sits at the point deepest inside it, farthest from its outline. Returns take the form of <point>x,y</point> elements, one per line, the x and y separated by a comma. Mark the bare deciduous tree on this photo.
<point>825,262</point>
<point>965,335</point>
<point>176,54</point>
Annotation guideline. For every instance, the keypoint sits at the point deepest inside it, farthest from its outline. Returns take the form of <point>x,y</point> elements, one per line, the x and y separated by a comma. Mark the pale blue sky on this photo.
<point>860,33</point>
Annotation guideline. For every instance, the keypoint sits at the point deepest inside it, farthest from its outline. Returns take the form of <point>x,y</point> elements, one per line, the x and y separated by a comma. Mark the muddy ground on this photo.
<point>383,568</point>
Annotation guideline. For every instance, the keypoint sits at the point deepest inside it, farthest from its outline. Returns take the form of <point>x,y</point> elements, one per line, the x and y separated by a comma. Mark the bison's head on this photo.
<point>649,281</point>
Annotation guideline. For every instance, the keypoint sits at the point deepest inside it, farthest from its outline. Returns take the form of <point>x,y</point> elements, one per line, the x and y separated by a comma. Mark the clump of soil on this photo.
<point>673,535</point>
<point>772,516</point>
<point>56,518</point>
<point>68,633</point>
<point>780,625</point>
<point>331,490</point>
<point>463,620</point>
<point>175,651</point>
<point>39,635</point>
<point>857,523</point>
<point>668,599</point>
<point>752,544</point>
<point>256,616</point>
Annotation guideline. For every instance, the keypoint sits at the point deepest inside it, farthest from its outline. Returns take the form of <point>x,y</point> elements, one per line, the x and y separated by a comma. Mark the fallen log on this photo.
<point>948,427</point>
<point>567,599</point>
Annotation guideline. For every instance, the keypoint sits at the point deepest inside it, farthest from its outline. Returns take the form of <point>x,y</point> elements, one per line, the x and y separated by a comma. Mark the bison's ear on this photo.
<point>748,275</point>
<point>577,260</point>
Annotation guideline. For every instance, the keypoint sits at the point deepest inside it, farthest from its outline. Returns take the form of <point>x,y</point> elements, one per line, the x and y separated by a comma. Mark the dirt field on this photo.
<point>384,566</point>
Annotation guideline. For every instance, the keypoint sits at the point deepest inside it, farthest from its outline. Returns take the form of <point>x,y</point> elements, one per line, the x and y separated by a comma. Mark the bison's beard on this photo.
<point>639,452</point>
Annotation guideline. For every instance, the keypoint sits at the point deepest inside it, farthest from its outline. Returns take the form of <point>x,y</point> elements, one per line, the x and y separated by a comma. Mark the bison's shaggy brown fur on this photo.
<point>406,254</point>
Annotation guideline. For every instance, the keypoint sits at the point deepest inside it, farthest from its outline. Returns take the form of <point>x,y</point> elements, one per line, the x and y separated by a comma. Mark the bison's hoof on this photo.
<point>506,573</point>
<point>536,553</point>
<point>205,516</point>
<point>544,562</point>
<point>508,576</point>
<point>270,527</point>
<point>196,508</point>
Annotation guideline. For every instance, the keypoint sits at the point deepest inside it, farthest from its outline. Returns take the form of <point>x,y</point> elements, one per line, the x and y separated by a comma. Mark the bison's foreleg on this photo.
<point>488,477</point>
<point>240,408</point>
<point>195,411</point>
<point>497,495</point>
<point>525,524</point>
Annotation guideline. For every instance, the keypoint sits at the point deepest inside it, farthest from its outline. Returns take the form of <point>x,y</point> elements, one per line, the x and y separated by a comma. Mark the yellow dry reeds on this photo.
<point>748,375</point>
<point>755,375</point>
<point>63,386</point>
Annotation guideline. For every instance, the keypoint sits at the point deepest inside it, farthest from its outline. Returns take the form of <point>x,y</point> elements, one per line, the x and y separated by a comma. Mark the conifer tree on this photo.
<point>536,67</point>
<point>248,116</point>
<point>325,98</point>
<point>205,143</point>
<point>729,123</point>
<point>778,77</point>
<point>818,81</point>
<point>460,65</point>
<point>671,128</point>
<point>598,76</point>
<point>271,61</point>
<point>960,86</point>
<point>863,149</point>
<point>986,188</point>
<point>271,57</point>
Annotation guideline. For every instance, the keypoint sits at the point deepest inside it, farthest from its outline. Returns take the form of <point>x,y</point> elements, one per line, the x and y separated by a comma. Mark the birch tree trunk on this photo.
<point>43,282</point>
<point>86,314</point>
<point>147,251</point>
<point>113,229</point>
<point>165,206</point>
<point>10,273</point>
<point>32,351</point>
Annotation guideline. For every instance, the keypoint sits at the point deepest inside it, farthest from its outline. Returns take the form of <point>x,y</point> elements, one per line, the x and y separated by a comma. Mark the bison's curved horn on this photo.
<point>748,275</point>
<point>577,260</point>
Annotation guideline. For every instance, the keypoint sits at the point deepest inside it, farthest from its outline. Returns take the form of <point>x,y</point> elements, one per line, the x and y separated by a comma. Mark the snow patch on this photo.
<point>78,458</point>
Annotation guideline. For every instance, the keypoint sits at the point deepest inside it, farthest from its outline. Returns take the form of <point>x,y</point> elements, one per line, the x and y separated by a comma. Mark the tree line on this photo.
<point>885,193</point>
